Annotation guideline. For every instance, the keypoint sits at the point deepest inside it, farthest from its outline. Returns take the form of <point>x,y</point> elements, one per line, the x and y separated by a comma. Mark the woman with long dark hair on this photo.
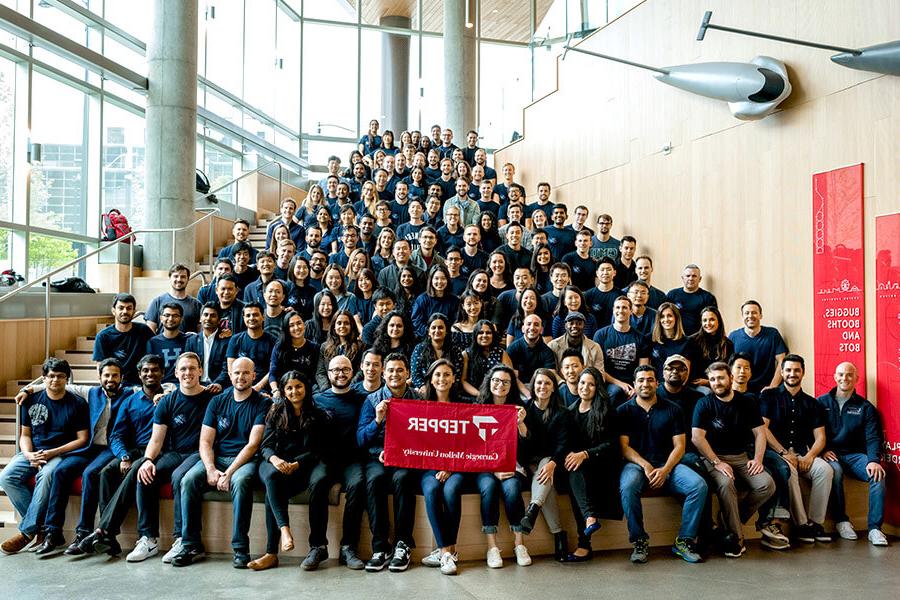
<point>547,425</point>
<point>442,490</point>
<point>300,297</point>
<point>436,345</point>
<point>490,234</point>
<point>668,339</point>
<point>594,460</point>
<point>541,261</point>
<point>529,304</point>
<point>324,308</point>
<point>394,334</point>
<point>484,354</point>
<point>364,287</point>
<point>712,345</point>
<point>572,299</point>
<point>466,318</point>
<point>436,299</point>
<point>408,290</point>
<point>294,443</point>
<point>499,387</point>
<point>500,273</point>
<point>343,339</point>
<point>292,352</point>
<point>371,141</point>
<point>480,283</point>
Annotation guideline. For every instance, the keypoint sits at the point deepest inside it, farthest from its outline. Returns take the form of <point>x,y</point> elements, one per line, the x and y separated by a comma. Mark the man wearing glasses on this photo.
<point>603,244</point>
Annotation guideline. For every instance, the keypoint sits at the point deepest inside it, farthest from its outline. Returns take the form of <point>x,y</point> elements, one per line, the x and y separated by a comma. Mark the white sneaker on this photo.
<point>433,558</point>
<point>144,549</point>
<point>448,563</point>
<point>877,538</point>
<point>494,560</point>
<point>523,559</point>
<point>845,530</point>
<point>174,551</point>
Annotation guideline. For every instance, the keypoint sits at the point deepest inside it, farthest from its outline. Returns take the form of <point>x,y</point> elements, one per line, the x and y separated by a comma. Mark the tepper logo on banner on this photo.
<point>451,437</point>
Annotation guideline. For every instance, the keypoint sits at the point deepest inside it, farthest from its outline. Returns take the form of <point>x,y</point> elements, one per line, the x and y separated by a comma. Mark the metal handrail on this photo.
<point>213,191</point>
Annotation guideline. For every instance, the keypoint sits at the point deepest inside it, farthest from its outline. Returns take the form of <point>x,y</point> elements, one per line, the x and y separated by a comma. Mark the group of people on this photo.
<point>415,274</point>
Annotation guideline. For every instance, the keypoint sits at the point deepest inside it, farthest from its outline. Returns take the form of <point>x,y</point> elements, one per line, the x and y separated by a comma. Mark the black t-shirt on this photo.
<point>584,270</point>
<point>561,240</point>
<point>54,423</point>
<point>691,305</point>
<point>126,346</point>
<point>258,350</point>
<point>287,358</point>
<point>516,258</point>
<point>601,304</point>
<point>622,351</point>
<point>728,425</point>
<point>344,411</point>
<point>233,420</point>
<point>686,399</point>
<point>625,275</point>
<point>182,415</point>
<point>650,432</point>
<point>526,360</point>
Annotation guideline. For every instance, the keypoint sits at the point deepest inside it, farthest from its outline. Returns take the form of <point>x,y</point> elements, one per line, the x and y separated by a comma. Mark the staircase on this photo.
<point>84,370</point>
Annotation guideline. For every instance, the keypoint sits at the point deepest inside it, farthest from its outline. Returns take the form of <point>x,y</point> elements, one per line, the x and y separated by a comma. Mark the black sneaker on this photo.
<point>188,557</point>
<point>805,534</point>
<point>378,562</point>
<point>52,542</point>
<point>86,545</point>
<point>349,557</point>
<point>641,552</point>
<point>820,534</point>
<point>400,560</point>
<point>240,560</point>
<point>315,557</point>
<point>74,548</point>
<point>734,546</point>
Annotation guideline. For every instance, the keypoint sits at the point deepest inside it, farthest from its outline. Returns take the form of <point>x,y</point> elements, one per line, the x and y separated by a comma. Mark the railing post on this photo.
<point>47,320</point>
<point>131,264</point>
<point>173,248</point>
<point>211,248</point>
<point>280,183</point>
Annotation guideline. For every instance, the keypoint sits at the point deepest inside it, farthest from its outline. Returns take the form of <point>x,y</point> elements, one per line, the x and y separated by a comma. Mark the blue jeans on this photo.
<point>682,481</point>
<point>490,489</point>
<point>31,505</point>
<point>855,466</point>
<point>443,506</point>
<point>87,465</point>
<point>194,485</point>
<point>170,466</point>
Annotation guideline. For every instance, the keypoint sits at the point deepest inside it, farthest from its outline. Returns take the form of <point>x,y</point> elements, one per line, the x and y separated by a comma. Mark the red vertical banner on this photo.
<point>887,353</point>
<point>839,304</point>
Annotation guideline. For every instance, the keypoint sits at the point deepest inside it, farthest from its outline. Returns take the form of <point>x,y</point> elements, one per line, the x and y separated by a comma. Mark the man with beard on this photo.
<point>342,403</point>
<point>230,308</point>
<point>795,431</point>
<point>229,439</point>
<point>124,340</point>
<point>381,480</point>
<point>653,444</point>
<point>54,422</point>
<point>725,423</point>
<point>170,343</point>
<point>190,307</point>
<point>573,338</point>
<point>253,343</point>
<point>241,232</point>
<point>211,346</point>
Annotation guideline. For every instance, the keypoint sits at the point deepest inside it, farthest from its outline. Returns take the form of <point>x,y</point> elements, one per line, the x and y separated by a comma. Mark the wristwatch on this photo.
<point>715,461</point>
<point>126,458</point>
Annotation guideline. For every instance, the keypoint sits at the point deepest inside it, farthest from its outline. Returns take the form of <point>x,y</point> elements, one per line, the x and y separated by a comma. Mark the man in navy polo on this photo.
<point>763,344</point>
<point>653,441</point>
<point>691,299</point>
<point>124,340</point>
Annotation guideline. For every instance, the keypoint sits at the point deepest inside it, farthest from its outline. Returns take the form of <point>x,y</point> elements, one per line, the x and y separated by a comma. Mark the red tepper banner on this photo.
<point>450,437</point>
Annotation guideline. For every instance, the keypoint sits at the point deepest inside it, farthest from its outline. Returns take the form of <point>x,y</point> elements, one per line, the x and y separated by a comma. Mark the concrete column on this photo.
<point>459,70</point>
<point>395,69</point>
<point>171,130</point>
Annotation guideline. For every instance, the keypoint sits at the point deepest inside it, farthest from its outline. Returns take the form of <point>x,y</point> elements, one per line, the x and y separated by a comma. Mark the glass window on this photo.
<point>329,73</point>
<point>317,153</point>
<point>259,57</point>
<point>6,261</point>
<point>505,91</point>
<point>50,16</point>
<point>59,117</point>
<point>287,69</point>
<point>221,167</point>
<point>7,137</point>
<point>123,164</point>
<point>545,68</point>
<point>224,45</point>
<point>132,16</point>
<point>432,108</point>
<point>331,10</point>
<point>372,80</point>
<point>46,253</point>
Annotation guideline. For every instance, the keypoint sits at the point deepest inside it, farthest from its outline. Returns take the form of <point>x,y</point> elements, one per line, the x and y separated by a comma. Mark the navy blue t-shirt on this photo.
<point>691,305</point>
<point>622,351</point>
<point>584,270</point>
<point>601,304</point>
<point>258,350</point>
<point>127,347</point>
<point>182,415</point>
<point>561,241</point>
<point>410,232</point>
<point>650,432</point>
<point>191,307</point>
<point>547,209</point>
<point>399,213</point>
<point>169,350</point>
<point>344,411</point>
<point>234,420</point>
<point>762,348</point>
<point>54,423</point>
<point>728,425</point>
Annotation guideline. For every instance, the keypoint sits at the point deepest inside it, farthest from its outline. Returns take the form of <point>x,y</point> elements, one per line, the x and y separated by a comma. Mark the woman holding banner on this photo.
<point>594,462</point>
<point>294,442</point>
<point>499,387</point>
<point>546,424</point>
<point>442,490</point>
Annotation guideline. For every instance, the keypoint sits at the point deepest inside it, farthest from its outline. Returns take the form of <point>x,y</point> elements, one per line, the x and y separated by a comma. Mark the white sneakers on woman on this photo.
<point>448,563</point>
<point>523,559</point>
<point>494,560</point>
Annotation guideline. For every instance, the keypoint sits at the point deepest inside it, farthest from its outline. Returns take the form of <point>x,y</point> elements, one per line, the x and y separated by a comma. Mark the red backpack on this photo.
<point>114,226</point>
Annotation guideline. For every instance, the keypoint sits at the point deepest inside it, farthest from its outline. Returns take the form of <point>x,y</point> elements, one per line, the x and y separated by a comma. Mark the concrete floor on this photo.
<point>842,570</point>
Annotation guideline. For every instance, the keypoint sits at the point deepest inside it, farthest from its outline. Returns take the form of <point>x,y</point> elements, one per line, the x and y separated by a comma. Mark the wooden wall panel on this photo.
<point>23,344</point>
<point>731,196</point>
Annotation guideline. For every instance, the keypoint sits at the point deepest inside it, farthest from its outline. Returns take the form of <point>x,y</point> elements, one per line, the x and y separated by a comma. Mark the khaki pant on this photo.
<point>761,487</point>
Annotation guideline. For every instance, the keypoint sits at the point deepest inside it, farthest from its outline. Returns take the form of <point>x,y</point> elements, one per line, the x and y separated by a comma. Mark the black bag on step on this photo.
<point>71,285</point>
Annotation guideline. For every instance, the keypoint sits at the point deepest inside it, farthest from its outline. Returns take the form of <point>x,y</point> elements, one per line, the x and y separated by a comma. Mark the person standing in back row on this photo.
<point>691,299</point>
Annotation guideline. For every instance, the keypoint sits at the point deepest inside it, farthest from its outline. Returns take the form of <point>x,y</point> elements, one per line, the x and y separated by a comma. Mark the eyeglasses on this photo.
<point>498,381</point>
<point>341,370</point>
